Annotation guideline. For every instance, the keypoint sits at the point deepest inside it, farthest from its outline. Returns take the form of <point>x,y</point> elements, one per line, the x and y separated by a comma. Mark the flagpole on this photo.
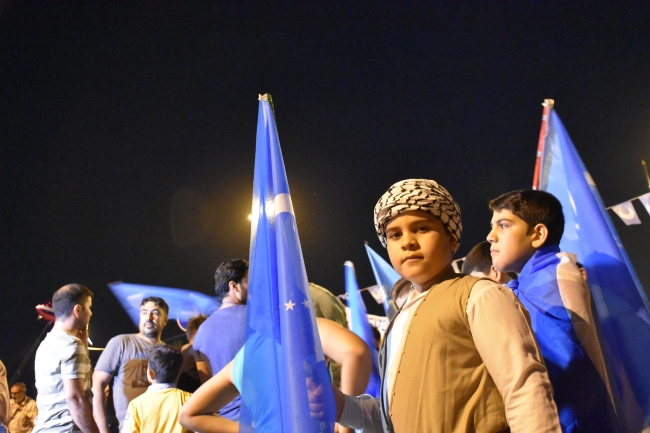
<point>548,106</point>
<point>645,168</point>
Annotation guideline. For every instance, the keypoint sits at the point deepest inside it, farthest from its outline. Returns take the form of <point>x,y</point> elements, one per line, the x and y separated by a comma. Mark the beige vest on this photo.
<point>442,384</point>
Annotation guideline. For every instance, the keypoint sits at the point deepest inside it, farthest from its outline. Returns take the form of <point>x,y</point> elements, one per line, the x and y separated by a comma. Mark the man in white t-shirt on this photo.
<point>62,366</point>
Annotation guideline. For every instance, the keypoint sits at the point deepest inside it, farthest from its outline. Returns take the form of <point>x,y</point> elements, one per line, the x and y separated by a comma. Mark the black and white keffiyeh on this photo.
<point>417,194</point>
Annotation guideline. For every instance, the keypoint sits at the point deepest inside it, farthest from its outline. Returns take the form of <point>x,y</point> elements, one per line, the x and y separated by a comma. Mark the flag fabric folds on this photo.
<point>386,278</point>
<point>620,301</point>
<point>183,304</point>
<point>360,326</point>
<point>626,212</point>
<point>283,356</point>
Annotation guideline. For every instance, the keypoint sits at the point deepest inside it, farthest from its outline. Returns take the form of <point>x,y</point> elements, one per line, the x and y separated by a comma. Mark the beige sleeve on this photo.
<point>504,338</point>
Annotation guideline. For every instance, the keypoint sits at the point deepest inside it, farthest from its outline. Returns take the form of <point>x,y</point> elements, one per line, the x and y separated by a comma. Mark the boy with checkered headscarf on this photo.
<point>460,355</point>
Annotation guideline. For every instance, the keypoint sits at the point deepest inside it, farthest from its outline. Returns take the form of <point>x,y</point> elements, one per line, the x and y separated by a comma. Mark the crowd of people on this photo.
<point>509,344</point>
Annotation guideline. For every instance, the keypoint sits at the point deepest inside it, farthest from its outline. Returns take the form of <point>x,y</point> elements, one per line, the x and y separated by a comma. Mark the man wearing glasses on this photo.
<point>23,410</point>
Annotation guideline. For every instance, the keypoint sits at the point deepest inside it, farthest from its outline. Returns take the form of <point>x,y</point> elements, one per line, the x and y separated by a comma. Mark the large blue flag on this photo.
<point>183,304</point>
<point>386,278</point>
<point>360,326</point>
<point>620,301</point>
<point>284,358</point>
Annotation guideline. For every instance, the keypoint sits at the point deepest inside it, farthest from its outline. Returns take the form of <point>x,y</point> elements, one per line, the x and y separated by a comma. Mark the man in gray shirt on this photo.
<point>62,366</point>
<point>124,361</point>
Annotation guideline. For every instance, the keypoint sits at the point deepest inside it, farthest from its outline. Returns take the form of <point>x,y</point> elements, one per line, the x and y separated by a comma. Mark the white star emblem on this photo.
<point>289,305</point>
<point>306,303</point>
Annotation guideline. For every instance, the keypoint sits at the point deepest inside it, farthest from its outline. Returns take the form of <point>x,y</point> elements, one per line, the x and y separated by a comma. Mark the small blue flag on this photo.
<point>386,278</point>
<point>360,326</point>
<point>283,356</point>
<point>183,304</point>
<point>620,301</point>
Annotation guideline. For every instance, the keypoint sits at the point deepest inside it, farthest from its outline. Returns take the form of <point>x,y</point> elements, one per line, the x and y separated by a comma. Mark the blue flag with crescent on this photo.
<point>360,326</point>
<point>284,360</point>
<point>386,278</point>
<point>620,301</point>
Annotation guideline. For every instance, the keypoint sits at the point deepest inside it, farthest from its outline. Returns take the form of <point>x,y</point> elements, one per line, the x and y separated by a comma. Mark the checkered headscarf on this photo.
<point>418,194</point>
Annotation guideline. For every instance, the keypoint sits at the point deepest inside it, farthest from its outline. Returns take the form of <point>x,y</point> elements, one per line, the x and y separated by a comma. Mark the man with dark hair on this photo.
<point>124,362</point>
<point>23,410</point>
<point>228,322</point>
<point>478,263</point>
<point>62,366</point>
<point>527,227</point>
<point>156,411</point>
<point>189,379</point>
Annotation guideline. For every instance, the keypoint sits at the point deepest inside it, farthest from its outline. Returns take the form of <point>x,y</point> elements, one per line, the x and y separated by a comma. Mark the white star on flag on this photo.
<point>306,303</point>
<point>289,305</point>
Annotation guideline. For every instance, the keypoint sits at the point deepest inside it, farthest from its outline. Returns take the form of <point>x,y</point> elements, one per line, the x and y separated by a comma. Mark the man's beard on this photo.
<point>151,331</point>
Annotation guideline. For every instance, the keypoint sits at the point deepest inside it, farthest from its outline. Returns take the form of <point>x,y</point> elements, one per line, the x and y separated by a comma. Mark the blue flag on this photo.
<point>620,301</point>
<point>360,326</point>
<point>386,278</point>
<point>183,304</point>
<point>284,358</point>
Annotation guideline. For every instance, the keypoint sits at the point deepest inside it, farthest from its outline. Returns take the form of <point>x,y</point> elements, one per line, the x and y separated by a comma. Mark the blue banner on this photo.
<point>183,304</point>
<point>360,326</point>
<point>620,301</point>
<point>287,359</point>
<point>386,278</point>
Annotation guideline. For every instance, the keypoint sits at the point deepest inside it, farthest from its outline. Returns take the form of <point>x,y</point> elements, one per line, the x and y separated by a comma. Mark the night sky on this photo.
<point>127,130</point>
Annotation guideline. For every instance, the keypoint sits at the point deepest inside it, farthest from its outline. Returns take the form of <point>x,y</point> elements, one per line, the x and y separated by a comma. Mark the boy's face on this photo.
<point>513,242</point>
<point>419,247</point>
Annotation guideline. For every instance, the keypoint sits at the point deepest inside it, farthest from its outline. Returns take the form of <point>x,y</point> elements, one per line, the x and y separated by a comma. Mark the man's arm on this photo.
<point>79,405</point>
<point>362,412</point>
<point>351,352</point>
<point>504,338</point>
<point>204,371</point>
<point>32,412</point>
<point>101,380</point>
<point>198,412</point>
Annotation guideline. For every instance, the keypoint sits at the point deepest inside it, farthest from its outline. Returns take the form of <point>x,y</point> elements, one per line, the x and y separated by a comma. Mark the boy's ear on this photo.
<point>232,286</point>
<point>151,375</point>
<point>540,234</point>
<point>76,310</point>
<point>453,243</point>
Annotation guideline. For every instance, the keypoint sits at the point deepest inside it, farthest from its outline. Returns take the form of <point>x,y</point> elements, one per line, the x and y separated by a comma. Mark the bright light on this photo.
<point>250,217</point>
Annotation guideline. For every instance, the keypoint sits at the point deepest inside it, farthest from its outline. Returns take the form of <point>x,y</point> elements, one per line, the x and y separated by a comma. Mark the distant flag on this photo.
<point>183,304</point>
<point>386,278</point>
<point>645,199</point>
<point>359,325</point>
<point>626,212</point>
<point>283,350</point>
<point>620,301</point>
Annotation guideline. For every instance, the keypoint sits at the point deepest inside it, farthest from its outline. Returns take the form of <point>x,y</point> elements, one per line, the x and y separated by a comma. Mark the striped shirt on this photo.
<point>60,356</point>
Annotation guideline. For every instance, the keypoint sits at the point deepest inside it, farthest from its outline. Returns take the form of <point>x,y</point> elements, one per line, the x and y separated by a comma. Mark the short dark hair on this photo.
<point>231,270</point>
<point>193,325</point>
<point>534,207</point>
<point>67,297</point>
<point>166,361</point>
<point>478,259</point>
<point>160,302</point>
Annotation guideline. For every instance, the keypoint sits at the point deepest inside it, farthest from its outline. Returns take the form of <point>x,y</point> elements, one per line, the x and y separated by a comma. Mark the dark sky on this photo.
<point>127,130</point>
